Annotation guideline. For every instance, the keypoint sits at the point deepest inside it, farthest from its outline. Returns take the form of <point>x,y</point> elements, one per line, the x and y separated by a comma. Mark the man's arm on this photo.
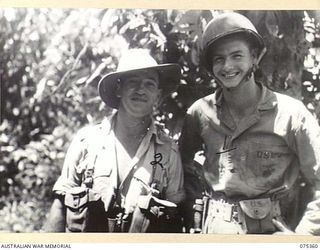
<point>56,221</point>
<point>74,164</point>
<point>190,142</point>
<point>307,141</point>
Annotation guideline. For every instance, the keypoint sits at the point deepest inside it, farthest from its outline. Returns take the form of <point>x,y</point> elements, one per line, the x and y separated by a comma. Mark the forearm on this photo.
<point>307,145</point>
<point>310,222</point>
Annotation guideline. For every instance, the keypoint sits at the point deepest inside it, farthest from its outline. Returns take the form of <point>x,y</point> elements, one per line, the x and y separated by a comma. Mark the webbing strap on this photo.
<point>94,146</point>
<point>159,173</point>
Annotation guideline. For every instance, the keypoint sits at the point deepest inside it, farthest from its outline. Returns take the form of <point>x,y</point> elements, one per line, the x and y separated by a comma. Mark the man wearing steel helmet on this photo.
<point>124,174</point>
<point>256,142</point>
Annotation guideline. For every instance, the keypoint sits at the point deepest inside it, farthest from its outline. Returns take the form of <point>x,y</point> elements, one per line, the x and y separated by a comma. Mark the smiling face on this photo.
<point>139,92</point>
<point>232,58</point>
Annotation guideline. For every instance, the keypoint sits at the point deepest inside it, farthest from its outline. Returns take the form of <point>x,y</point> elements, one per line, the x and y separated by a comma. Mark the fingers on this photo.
<point>282,226</point>
<point>165,203</point>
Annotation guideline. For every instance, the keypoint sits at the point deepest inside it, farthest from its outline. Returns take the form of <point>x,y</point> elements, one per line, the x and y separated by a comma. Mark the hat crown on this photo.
<point>136,59</point>
<point>227,24</point>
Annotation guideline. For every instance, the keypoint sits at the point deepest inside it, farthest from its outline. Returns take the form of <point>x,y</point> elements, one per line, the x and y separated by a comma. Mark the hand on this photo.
<point>283,228</point>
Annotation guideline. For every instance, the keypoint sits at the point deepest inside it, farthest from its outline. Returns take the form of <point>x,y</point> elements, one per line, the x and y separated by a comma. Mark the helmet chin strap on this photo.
<point>249,73</point>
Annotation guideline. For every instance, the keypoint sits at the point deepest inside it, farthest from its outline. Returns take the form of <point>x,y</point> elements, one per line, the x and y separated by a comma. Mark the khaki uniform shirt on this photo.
<point>264,151</point>
<point>96,145</point>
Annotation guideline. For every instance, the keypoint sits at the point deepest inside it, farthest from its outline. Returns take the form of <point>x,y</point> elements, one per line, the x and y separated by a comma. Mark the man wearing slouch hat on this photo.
<point>124,174</point>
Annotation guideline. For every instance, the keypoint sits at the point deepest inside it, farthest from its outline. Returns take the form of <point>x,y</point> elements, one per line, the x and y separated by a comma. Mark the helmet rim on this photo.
<point>228,24</point>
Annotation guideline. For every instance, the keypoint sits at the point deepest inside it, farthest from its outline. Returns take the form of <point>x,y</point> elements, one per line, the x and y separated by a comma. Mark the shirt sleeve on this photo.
<point>190,140</point>
<point>74,164</point>
<point>307,141</point>
<point>175,188</point>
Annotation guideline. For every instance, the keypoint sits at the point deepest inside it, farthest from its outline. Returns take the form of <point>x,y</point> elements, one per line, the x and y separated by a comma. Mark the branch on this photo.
<point>68,73</point>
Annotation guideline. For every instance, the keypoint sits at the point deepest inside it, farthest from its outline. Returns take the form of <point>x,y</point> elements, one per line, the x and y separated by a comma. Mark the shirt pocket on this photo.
<point>268,160</point>
<point>104,178</point>
<point>102,174</point>
<point>104,163</point>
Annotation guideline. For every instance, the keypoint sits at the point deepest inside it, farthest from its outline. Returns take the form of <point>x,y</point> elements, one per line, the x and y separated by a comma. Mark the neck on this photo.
<point>127,125</point>
<point>243,98</point>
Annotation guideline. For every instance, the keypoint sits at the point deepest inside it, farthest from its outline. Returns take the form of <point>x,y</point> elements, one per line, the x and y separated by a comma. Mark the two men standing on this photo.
<point>256,143</point>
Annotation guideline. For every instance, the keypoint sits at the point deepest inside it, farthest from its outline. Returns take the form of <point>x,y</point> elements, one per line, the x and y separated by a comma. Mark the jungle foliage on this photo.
<point>51,62</point>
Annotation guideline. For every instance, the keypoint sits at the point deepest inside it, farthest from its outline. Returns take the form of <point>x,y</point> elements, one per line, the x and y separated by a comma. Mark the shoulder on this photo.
<point>203,104</point>
<point>202,111</point>
<point>164,139</point>
<point>208,101</point>
<point>291,106</point>
<point>92,131</point>
<point>288,102</point>
<point>295,111</point>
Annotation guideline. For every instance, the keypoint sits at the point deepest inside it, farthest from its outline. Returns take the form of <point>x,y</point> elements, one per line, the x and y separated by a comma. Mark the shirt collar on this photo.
<point>108,124</point>
<point>268,98</point>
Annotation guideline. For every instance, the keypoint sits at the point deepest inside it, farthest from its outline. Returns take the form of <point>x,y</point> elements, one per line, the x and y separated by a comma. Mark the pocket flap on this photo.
<point>78,197</point>
<point>256,208</point>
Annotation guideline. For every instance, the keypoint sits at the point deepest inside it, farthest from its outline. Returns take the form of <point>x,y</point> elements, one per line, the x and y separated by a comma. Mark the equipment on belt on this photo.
<point>78,201</point>
<point>152,211</point>
<point>85,210</point>
<point>218,214</point>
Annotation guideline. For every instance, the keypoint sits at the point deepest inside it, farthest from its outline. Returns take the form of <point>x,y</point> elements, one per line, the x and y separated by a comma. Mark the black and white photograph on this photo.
<point>163,121</point>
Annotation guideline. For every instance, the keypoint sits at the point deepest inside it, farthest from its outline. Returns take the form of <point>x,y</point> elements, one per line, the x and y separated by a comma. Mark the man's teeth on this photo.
<point>230,75</point>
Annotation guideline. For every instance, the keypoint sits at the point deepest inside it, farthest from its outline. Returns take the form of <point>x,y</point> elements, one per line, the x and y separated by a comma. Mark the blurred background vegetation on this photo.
<point>52,59</point>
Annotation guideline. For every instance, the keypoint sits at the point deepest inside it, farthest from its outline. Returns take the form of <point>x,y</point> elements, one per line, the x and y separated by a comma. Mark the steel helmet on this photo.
<point>227,24</point>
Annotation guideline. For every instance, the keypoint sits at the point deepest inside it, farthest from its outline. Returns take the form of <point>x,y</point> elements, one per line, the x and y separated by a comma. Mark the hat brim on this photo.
<point>169,77</point>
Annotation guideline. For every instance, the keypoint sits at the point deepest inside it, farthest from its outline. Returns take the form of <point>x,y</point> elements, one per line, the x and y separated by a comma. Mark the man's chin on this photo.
<point>229,84</point>
<point>230,87</point>
<point>140,112</point>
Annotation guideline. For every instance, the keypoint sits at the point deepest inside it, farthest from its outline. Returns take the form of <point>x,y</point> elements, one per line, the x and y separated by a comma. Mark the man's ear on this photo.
<point>254,54</point>
<point>255,57</point>
<point>158,98</point>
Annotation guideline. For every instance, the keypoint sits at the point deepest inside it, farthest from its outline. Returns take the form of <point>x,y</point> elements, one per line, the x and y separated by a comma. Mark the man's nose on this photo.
<point>140,86</point>
<point>228,64</point>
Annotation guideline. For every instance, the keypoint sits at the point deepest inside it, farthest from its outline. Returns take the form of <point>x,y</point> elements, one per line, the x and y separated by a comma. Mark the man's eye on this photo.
<point>131,81</point>
<point>237,56</point>
<point>150,84</point>
<point>217,59</point>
